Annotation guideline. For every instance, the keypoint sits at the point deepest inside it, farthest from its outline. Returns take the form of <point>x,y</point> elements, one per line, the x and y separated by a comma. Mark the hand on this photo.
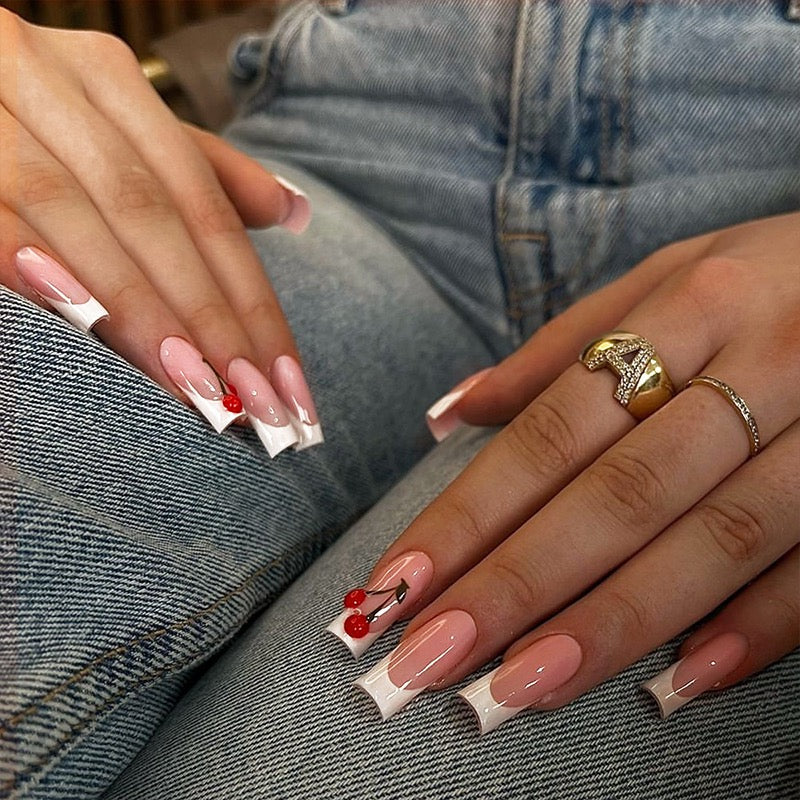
<point>582,540</point>
<point>118,215</point>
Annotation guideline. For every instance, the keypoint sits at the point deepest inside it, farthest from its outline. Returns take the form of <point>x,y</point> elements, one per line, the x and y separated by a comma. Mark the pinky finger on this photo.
<point>758,627</point>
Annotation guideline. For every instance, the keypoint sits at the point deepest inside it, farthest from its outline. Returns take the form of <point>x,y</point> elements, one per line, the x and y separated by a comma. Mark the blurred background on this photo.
<point>182,45</point>
<point>138,22</point>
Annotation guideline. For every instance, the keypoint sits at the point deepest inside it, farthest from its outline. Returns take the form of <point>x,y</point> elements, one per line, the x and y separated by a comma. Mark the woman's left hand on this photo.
<point>582,540</point>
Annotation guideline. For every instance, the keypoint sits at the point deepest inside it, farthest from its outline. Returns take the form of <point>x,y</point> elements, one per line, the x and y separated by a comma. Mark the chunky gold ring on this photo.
<point>644,384</point>
<point>737,402</point>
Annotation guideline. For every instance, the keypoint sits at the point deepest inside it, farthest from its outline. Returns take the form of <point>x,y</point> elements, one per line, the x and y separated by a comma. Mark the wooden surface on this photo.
<point>138,22</point>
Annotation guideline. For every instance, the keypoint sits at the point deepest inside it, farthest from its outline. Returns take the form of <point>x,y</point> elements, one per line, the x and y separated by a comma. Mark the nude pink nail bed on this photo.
<point>523,680</point>
<point>424,658</point>
<point>697,672</point>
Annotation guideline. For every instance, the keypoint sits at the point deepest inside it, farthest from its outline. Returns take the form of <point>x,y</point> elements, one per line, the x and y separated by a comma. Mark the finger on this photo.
<point>727,539</point>
<point>136,208</point>
<point>626,498</point>
<point>615,507</point>
<point>261,198</point>
<point>510,386</point>
<point>42,195</point>
<point>756,628</point>
<point>203,207</point>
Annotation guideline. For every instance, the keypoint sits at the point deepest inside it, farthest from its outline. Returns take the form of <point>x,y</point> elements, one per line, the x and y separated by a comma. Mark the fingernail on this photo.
<point>300,215</point>
<point>430,654</point>
<point>266,412</point>
<point>58,288</point>
<point>290,384</point>
<point>523,680</point>
<point>701,670</point>
<point>441,417</point>
<point>195,377</point>
<point>369,611</point>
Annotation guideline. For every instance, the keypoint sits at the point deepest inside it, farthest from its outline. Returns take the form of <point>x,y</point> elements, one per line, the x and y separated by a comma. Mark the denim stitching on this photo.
<point>125,649</point>
<point>515,93</point>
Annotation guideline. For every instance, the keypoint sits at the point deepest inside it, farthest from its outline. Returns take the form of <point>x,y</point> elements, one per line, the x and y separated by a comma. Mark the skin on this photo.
<point>155,233</point>
<point>576,520</point>
<point>668,519</point>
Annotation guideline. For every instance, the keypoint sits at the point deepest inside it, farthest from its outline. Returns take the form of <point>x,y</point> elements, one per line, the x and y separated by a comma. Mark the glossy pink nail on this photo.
<point>266,412</point>
<point>424,658</point>
<point>290,384</point>
<point>699,671</point>
<point>300,215</point>
<point>57,287</point>
<point>523,680</point>
<point>442,417</point>
<point>195,377</point>
<point>383,601</point>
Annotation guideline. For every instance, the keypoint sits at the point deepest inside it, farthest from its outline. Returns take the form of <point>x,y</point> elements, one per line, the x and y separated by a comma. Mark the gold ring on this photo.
<point>737,402</point>
<point>644,384</point>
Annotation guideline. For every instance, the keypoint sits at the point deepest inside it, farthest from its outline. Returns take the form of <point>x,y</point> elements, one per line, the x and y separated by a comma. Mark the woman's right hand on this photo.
<point>105,195</point>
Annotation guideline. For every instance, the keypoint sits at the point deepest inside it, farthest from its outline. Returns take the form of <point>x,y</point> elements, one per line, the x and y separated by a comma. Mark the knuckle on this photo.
<point>541,438</point>
<point>128,297</point>
<point>210,314</point>
<point>138,194</point>
<point>705,281</point>
<point>212,214</point>
<point>109,47</point>
<point>259,309</point>
<point>514,584</point>
<point>736,532</point>
<point>626,615</point>
<point>471,528</point>
<point>43,183</point>
<point>624,484</point>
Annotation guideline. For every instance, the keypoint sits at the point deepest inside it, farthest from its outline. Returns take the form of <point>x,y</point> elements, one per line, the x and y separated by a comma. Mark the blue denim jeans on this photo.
<point>473,168</point>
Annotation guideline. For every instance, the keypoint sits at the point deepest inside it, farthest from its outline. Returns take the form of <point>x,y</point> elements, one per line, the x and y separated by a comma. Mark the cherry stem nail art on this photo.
<point>230,396</point>
<point>357,624</point>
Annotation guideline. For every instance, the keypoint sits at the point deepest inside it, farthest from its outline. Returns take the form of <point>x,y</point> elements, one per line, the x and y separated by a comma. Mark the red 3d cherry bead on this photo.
<point>232,389</point>
<point>356,626</point>
<point>354,598</point>
<point>232,403</point>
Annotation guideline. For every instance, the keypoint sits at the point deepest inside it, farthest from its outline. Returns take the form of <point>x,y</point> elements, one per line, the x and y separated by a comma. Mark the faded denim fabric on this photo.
<point>474,167</point>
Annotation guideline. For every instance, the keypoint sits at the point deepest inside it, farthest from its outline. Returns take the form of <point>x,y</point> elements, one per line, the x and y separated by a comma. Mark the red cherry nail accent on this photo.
<point>356,626</point>
<point>232,403</point>
<point>354,598</point>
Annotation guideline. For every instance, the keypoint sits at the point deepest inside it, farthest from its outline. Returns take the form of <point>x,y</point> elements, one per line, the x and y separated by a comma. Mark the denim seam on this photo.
<point>515,93</point>
<point>125,649</point>
<point>64,500</point>
<point>583,265</point>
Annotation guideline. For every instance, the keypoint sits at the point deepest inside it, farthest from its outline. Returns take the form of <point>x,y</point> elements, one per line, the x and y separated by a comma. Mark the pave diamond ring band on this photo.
<point>737,402</point>
<point>644,384</point>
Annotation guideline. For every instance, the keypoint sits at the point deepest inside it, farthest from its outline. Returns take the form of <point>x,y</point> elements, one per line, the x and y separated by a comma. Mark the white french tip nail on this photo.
<point>444,404</point>
<point>300,216</point>
<point>356,646</point>
<point>307,435</point>
<point>213,410</point>
<point>660,687</point>
<point>388,697</point>
<point>275,438</point>
<point>488,712</point>
<point>83,316</point>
